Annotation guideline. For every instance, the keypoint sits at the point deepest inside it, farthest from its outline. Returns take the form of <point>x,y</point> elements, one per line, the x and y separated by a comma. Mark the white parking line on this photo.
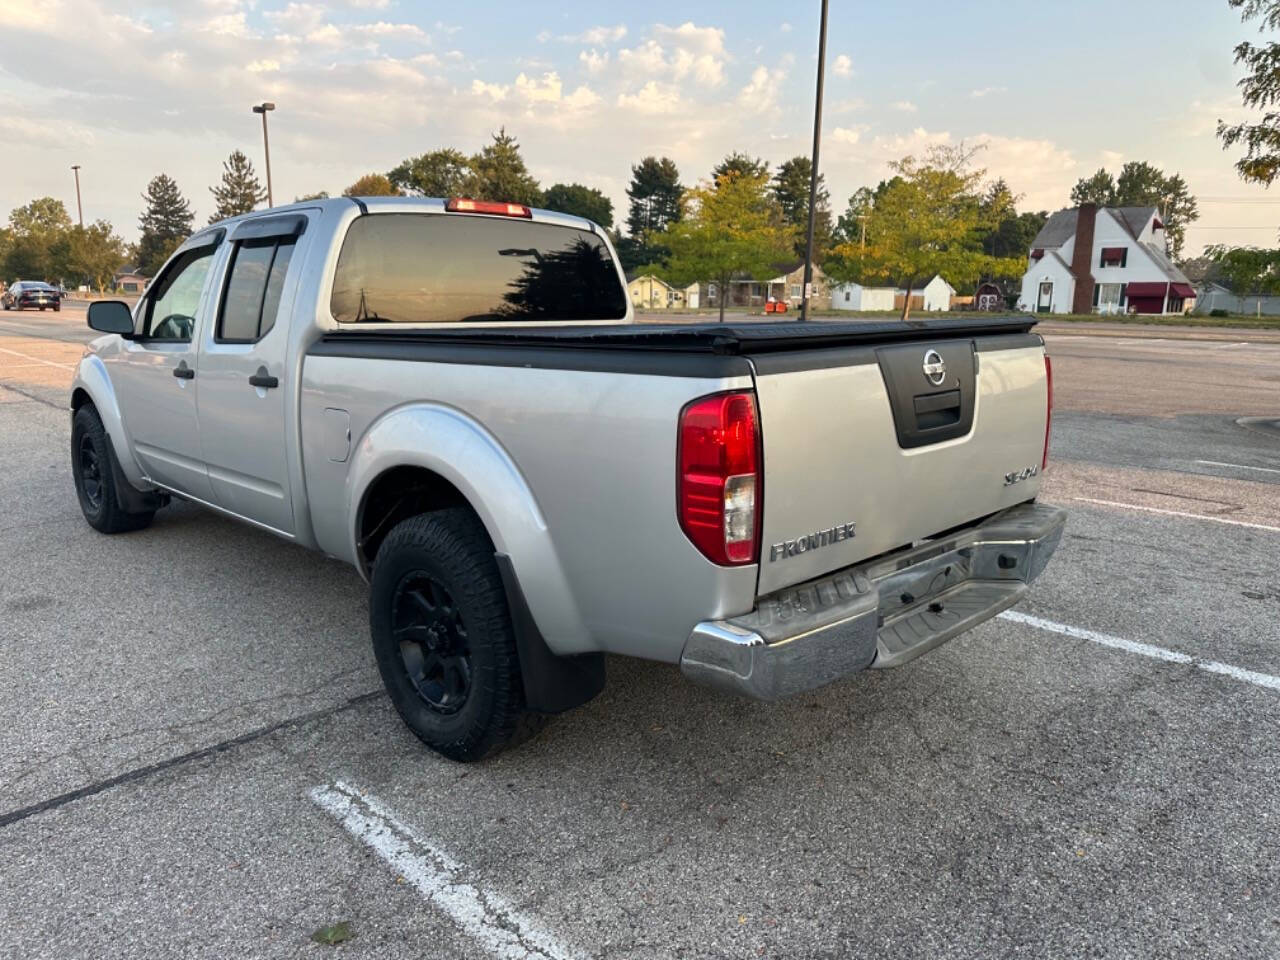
<point>501,929</point>
<point>1145,650</point>
<point>1178,513</point>
<point>1231,346</point>
<point>1235,466</point>
<point>27,356</point>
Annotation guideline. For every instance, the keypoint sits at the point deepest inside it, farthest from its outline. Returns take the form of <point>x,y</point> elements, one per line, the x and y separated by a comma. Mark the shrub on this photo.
<point>1219,312</point>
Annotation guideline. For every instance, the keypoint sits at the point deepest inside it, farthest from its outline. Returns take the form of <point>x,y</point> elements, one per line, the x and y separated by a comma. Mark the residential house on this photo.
<point>855,296</point>
<point>648,292</point>
<point>934,295</point>
<point>1104,260</point>
<point>128,280</point>
<point>787,287</point>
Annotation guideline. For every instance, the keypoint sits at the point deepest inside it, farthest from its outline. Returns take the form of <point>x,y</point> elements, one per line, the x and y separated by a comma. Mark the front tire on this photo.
<point>443,637</point>
<point>92,466</point>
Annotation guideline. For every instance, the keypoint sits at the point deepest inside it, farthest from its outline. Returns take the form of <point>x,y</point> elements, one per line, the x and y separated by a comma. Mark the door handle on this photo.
<point>183,372</point>
<point>264,379</point>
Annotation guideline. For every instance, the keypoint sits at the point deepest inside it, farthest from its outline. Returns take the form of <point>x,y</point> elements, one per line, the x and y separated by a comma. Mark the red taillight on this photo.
<point>461,205</point>
<point>1048,415</point>
<point>718,477</point>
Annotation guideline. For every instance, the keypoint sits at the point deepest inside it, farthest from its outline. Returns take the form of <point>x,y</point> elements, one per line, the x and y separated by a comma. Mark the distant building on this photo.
<point>934,295</point>
<point>1104,260</point>
<point>128,280</point>
<point>787,287</point>
<point>855,296</point>
<point>988,297</point>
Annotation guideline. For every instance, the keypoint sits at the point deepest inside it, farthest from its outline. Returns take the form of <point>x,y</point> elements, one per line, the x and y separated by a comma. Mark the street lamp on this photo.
<point>813,173</point>
<point>79,208</point>
<point>264,109</point>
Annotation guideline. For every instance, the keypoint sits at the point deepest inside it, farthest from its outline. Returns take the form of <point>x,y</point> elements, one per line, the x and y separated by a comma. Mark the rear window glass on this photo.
<point>442,268</point>
<point>254,283</point>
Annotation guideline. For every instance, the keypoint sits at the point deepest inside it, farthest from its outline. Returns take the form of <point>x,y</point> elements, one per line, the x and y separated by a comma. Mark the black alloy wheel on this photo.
<point>433,642</point>
<point>90,472</point>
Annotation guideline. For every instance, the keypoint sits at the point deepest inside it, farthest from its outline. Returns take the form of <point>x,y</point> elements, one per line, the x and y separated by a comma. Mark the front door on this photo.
<point>245,384</point>
<point>155,376</point>
<point>1046,298</point>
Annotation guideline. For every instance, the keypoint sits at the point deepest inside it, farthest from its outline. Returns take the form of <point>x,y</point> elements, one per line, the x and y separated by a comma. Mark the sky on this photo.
<point>1051,92</point>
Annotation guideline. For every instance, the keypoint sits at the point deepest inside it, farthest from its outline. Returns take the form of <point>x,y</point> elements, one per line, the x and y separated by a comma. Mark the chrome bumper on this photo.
<point>879,614</point>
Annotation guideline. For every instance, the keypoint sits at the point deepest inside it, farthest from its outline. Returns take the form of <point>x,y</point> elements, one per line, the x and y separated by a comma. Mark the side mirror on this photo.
<point>111,316</point>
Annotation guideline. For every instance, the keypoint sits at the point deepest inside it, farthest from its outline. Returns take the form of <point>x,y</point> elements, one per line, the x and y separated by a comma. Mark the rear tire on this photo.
<point>443,637</point>
<point>92,465</point>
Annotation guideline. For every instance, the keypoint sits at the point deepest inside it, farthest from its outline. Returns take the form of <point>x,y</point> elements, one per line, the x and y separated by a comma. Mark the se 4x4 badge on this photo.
<point>1026,473</point>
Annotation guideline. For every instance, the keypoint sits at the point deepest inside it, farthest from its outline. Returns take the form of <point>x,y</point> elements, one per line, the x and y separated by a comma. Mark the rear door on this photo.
<point>244,378</point>
<point>892,444</point>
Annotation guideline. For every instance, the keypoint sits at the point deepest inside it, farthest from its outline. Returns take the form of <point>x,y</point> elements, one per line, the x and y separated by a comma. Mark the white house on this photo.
<point>935,295</point>
<point>854,296</point>
<point>1104,260</point>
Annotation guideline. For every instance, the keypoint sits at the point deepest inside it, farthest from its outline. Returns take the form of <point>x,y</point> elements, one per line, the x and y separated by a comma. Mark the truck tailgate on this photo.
<point>870,448</point>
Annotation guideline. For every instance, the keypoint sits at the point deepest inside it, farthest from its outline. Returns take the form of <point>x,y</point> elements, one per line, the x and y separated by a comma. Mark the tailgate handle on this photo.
<point>935,410</point>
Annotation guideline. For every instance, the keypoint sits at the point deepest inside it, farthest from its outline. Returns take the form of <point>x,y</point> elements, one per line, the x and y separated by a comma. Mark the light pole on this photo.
<point>265,108</point>
<point>79,208</point>
<point>813,174</point>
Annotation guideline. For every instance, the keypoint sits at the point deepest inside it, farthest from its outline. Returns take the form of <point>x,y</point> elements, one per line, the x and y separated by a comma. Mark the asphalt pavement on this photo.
<point>197,760</point>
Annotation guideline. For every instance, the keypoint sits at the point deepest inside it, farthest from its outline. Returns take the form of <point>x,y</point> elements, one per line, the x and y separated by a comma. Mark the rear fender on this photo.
<point>457,448</point>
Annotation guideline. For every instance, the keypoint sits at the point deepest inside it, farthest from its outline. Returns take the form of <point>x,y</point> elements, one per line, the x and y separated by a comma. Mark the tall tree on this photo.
<point>90,255</point>
<point>438,173</point>
<point>930,221</point>
<point>791,192</point>
<point>372,185</point>
<point>580,201</point>
<point>164,224</point>
<point>741,164</point>
<point>730,229</point>
<point>1260,90</point>
<point>35,230</point>
<point>239,190</point>
<point>1142,185</point>
<point>1099,188</point>
<point>654,194</point>
<point>498,173</point>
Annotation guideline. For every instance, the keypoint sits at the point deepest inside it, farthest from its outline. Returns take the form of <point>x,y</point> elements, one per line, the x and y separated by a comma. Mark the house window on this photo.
<point>795,291</point>
<point>1114,256</point>
<point>1110,296</point>
<point>847,298</point>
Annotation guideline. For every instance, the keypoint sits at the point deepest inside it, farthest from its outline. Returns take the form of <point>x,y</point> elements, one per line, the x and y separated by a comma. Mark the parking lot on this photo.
<point>197,759</point>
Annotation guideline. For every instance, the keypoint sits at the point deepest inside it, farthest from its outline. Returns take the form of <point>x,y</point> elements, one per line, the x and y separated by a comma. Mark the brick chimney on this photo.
<point>1082,258</point>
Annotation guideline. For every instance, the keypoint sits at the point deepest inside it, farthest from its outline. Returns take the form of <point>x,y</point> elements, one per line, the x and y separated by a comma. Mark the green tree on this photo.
<point>930,221</point>
<point>498,173</point>
<point>318,195</point>
<point>1247,271</point>
<point>239,190</point>
<point>1260,90</point>
<point>439,173</point>
<point>574,198</point>
<point>164,224</point>
<point>1006,233</point>
<point>91,255</point>
<point>791,192</point>
<point>1099,188</point>
<point>729,229</point>
<point>654,201</point>
<point>741,164</point>
<point>372,185</point>
<point>1142,185</point>
<point>35,230</point>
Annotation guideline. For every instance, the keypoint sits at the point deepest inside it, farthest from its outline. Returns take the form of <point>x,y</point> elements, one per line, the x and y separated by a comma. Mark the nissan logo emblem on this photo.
<point>935,368</point>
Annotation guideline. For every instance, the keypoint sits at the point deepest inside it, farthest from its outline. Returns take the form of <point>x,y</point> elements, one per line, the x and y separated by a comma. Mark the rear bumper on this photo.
<point>879,614</point>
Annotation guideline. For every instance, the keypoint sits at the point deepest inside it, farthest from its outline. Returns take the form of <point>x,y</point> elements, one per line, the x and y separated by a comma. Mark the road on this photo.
<point>196,758</point>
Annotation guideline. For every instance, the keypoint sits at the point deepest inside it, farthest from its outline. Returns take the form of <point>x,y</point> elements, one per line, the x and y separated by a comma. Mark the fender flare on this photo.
<point>451,444</point>
<point>92,378</point>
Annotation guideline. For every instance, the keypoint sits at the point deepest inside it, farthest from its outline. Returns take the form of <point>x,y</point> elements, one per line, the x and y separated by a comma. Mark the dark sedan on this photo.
<point>31,293</point>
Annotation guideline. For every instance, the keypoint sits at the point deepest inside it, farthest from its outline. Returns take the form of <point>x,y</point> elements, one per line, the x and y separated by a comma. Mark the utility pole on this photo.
<point>813,174</point>
<point>79,208</point>
<point>265,108</point>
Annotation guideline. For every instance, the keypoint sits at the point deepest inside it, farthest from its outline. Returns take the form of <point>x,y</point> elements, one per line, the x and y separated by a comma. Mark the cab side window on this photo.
<point>174,300</point>
<point>255,281</point>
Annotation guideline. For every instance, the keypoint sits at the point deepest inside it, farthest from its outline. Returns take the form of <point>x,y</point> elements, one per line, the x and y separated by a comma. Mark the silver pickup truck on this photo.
<point>455,398</point>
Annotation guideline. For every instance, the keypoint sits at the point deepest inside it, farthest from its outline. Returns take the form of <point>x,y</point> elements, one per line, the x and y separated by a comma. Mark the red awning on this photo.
<point>1037,253</point>
<point>1147,289</point>
<point>1112,254</point>
<point>1183,290</point>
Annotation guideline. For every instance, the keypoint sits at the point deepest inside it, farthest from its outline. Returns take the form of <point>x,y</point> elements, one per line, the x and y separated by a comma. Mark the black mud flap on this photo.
<point>552,684</point>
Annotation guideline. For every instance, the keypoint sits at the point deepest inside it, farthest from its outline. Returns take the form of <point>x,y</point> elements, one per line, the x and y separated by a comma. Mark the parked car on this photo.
<point>454,398</point>
<point>31,293</point>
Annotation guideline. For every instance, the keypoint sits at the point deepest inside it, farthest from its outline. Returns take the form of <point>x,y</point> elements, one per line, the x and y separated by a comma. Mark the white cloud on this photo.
<point>849,135</point>
<point>263,66</point>
<point>594,62</point>
<point>494,91</point>
<point>297,17</point>
<point>652,98</point>
<point>843,66</point>
<point>761,92</point>
<point>383,29</point>
<point>532,90</point>
<point>596,36</point>
<point>903,106</point>
<point>785,27</point>
<point>986,92</point>
<point>1112,158</point>
<point>679,53</point>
